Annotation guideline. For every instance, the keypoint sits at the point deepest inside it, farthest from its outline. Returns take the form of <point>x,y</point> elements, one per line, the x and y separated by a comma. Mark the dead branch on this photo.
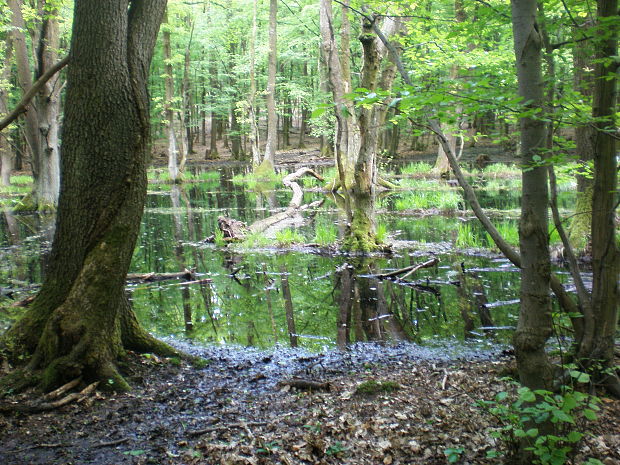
<point>306,384</point>
<point>409,269</point>
<point>23,103</point>
<point>111,443</point>
<point>152,277</point>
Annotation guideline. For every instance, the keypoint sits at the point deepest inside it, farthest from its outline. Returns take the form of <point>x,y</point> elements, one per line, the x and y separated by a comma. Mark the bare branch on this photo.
<point>22,106</point>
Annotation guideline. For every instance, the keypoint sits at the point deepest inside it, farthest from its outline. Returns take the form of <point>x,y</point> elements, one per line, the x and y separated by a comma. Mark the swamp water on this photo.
<point>265,295</point>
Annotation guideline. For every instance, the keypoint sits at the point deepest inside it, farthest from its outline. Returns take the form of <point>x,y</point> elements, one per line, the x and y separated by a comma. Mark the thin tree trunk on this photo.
<point>173,169</point>
<point>254,133</point>
<point>535,322</point>
<point>47,188</point>
<point>272,117</point>
<point>7,159</point>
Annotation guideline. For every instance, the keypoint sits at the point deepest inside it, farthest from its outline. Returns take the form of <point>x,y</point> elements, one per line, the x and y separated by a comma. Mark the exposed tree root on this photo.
<point>47,402</point>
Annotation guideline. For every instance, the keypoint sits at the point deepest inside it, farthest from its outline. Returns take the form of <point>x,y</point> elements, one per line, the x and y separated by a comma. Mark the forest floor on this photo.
<point>371,405</point>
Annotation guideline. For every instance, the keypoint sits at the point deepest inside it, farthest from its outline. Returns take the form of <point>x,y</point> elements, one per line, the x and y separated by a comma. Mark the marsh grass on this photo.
<point>21,179</point>
<point>425,200</point>
<point>288,236</point>
<point>262,182</point>
<point>255,240</point>
<point>325,233</point>
<point>416,168</point>
<point>467,236</point>
<point>381,233</point>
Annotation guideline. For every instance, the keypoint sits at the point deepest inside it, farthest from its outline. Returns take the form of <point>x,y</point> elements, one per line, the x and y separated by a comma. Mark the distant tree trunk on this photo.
<point>303,114</point>
<point>31,130</point>
<point>585,135</point>
<point>598,351</point>
<point>272,117</point>
<point>188,97</point>
<point>47,186</point>
<point>169,112</point>
<point>254,133</point>
<point>81,320</point>
<point>7,158</point>
<point>213,125</point>
<point>442,166</point>
<point>535,323</point>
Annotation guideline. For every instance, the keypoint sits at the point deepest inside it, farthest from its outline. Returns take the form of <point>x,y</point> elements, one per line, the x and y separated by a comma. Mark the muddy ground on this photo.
<point>241,409</point>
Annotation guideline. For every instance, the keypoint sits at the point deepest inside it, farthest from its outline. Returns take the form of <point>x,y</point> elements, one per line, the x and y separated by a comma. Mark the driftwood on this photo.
<point>47,403</point>
<point>408,270</point>
<point>234,230</point>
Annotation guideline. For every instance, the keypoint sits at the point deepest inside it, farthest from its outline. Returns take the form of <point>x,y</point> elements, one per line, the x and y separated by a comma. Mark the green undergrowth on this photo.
<point>549,424</point>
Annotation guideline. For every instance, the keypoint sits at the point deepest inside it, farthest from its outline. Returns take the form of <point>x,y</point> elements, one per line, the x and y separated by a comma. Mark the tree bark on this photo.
<point>535,323</point>
<point>81,320</point>
<point>583,82</point>
<point>598,351</point>
<point>173,168</point>
<point>254,133</point>
<point>272,117</point>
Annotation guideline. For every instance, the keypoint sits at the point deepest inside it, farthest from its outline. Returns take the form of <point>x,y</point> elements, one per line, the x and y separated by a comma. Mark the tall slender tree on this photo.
<point>272,117</point>
<point>535,323</point>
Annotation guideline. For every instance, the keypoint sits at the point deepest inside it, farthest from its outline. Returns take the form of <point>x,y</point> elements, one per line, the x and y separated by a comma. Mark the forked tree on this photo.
<point>81,322</point>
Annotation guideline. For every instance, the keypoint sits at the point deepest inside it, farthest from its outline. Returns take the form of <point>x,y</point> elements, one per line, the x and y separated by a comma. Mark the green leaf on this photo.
<point>590,414</point>
<point>532,432</point>
<point>526,395</point>
<point>562,416</point>
<point>574,436</point>
<point>135,452</point>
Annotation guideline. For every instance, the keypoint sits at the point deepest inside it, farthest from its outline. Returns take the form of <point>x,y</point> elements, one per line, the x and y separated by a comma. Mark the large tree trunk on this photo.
<point>599,350</point>
<point>272,118</point>
<point>81,320</point>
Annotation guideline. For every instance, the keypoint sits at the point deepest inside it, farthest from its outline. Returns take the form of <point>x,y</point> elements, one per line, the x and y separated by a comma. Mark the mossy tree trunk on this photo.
<point>81,321</point>
<point>579,228</point>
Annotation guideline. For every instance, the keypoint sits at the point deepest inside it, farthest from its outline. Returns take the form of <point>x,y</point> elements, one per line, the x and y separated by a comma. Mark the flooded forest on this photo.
<point>309,232</point>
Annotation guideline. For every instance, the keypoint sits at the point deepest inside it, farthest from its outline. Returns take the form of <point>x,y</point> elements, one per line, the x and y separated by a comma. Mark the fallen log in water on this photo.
<point>235,230</point>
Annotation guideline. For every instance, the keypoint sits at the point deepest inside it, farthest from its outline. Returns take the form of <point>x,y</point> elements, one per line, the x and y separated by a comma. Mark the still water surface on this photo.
<point>266,296</point>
